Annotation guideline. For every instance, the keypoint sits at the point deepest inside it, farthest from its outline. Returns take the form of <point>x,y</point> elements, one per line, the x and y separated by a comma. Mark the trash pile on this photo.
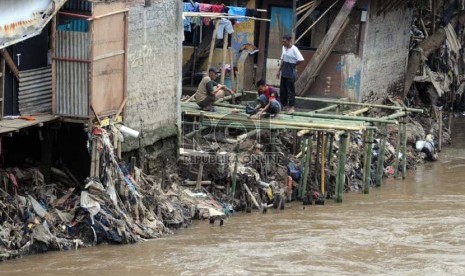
<point>121,205</point>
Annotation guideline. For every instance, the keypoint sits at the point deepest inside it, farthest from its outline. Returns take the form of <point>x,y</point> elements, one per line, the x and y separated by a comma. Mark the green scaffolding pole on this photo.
<point>381,156</point>
<point>399,144</point>
<point>340,180</point>
<point>404,147</point>
<point>306,167</point>
<point>368,155</point>
<point>234,176</point>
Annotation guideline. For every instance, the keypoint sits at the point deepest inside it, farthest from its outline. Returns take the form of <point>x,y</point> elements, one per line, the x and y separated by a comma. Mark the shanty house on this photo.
<point>70,62</point>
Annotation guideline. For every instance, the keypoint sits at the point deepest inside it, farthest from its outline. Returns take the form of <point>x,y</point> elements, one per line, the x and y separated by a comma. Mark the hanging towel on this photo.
<point>224,25</point>
<point>217,8</point>
<point>187,7</point>
<point>237,11</point>
<point>205,8</point>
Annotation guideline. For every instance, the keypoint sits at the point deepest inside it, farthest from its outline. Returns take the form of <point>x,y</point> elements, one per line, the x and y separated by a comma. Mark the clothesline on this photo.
<point>221,15</point>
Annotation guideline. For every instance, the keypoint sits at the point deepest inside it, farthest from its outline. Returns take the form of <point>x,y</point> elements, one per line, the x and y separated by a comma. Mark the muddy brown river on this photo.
<point>410,227</point>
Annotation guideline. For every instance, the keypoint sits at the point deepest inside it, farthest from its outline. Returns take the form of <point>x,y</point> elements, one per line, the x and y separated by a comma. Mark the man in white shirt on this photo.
<point>290,58</point>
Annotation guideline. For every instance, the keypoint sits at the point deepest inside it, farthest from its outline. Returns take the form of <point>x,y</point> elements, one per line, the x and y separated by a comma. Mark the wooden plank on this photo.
<point>20,123</point>
<point>109,58</point>
<point>11,64</point>
<point>125,62</point>
<point>308,13</point>
<point>103,8</point>
<point>109,35</point>
<point>4,130</point>
<point>107,85</point>
<point>212,45</point>
<point>225,54</point>
<point>311,71</point>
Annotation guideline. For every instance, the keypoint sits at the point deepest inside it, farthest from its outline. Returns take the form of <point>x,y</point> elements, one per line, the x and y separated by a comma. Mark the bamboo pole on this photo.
<point>212,45</point>
<point>322,116</point>
<point>232,77</point>
<point>368,155</point>
<point>198,185</point>
<point>358,112</point>
<point>93,158</point>
<point>273,144</point>
<point>404,148</point>
<point>225,54</point>
<point>306,167</point>
<point>340,177</point>
<point>318,151</point>
<point>234,176</point>
<point>323,145</point>
<point>328,108</point>
<point>281,122</point>
<point>316,21</point>
<point>254,200</point>
<point>307,14</point>
<point>339,102</point>
<point>396,115</point>
<point>381,157</point>
<point>330,151</point>
<point>440,131</point>
<point>398,146</point>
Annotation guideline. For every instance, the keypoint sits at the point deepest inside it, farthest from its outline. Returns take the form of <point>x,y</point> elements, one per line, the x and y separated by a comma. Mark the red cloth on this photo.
<point>205,8</point>
<point>217,8</point>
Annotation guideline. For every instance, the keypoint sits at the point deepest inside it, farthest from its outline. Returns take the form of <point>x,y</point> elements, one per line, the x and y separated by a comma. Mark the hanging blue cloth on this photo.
<point>237,11</point>
<point>187,7</point>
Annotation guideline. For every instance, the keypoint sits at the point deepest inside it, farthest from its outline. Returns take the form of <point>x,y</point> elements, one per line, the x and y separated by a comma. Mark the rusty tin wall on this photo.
<point>35,91</point>
<point>72,73</point>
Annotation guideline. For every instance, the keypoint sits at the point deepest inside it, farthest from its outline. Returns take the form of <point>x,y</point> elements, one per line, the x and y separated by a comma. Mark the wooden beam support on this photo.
<point>225,54</point>
<point>212,45</point>
<point>308,13</point>
<point>307,78</point>
<point>10,63</point>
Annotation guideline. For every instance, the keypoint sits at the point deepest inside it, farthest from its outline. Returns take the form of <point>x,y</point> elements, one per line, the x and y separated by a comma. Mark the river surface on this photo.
<point>410,227</point>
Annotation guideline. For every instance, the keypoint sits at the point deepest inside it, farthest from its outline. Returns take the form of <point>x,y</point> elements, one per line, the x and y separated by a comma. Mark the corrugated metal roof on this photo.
<point>22,19</point>
<point>35,91</point>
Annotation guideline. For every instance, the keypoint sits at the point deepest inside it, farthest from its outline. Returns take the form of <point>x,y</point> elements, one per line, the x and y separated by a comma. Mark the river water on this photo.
<point>410,227</point>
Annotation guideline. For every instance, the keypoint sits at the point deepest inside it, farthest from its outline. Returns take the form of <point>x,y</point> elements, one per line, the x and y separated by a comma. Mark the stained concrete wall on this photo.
<point>154,72</point>
<point>385,52</point>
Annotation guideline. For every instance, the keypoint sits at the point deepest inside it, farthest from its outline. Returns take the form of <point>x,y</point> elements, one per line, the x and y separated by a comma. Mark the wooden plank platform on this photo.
<point>14,125</point>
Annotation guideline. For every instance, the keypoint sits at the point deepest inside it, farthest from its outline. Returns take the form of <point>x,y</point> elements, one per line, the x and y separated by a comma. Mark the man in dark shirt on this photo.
<point>209,91</point>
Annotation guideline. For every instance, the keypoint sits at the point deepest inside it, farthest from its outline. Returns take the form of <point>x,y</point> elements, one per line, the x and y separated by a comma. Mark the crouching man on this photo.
<point>209,91</point>
<point>269,105</point>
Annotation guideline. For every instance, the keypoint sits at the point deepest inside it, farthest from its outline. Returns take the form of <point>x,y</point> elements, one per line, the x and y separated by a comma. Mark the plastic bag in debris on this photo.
<point>91,205</point>
<point>251,108</point>
<point>38,209</point>
<point>293,171</point>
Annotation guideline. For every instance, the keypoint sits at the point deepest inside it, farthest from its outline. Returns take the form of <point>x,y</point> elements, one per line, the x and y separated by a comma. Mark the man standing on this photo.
<point>209,91</point>
<point>290,57</point>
